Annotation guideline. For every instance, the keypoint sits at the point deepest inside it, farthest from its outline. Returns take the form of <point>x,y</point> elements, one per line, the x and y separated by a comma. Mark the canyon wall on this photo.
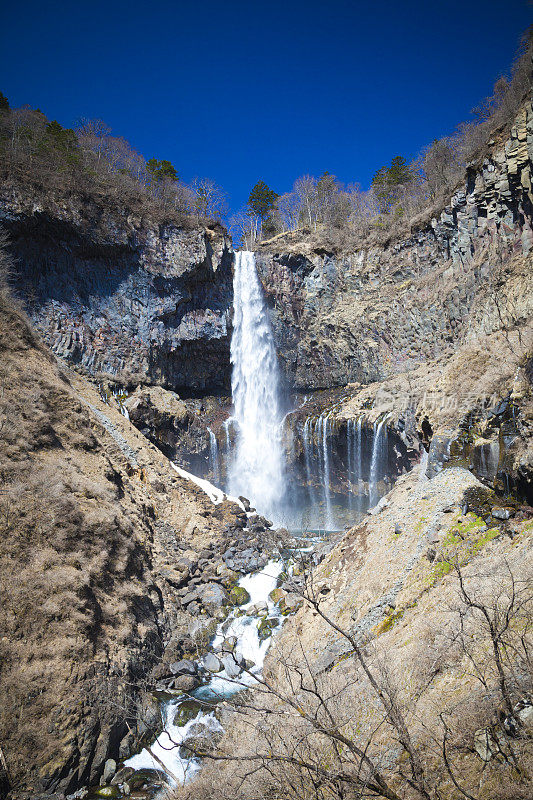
<point>386,308</point>
<point>118,293</point>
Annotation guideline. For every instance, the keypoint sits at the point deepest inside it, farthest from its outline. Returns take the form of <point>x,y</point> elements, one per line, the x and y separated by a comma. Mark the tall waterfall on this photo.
<point>257,467</point>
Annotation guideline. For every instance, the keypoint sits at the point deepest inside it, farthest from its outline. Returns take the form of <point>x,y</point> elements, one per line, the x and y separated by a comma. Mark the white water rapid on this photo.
<point>257,469</point>
<point>243,623</point>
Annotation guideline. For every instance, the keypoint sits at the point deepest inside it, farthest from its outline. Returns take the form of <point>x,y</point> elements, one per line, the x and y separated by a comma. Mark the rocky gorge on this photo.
<point>405,418</point>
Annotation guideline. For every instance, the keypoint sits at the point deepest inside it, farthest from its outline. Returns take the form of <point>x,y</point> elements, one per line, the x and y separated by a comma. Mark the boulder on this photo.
<point>187,683</point>
<point>184,667</point>
<point>229,644</point>
<point>230,666</point>
<point>122,775</point>
<point>212,663</point>
<point>502,513</point>
<point>524,712</point>
<point>213,597</point>
<point>150,777</point>
<point>238,596</point>
<point>108,791</point>
<point>258,608</point>
<point>245,502</point>
<point>187,710</point>
<point>202,738</point>
<point>264,630</point>
<point>110,767</point>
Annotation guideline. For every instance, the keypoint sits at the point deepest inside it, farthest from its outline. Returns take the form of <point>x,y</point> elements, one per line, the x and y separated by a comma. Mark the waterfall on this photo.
<point>353,447</point>
<point>308,452</point>
<point>257,467</point>
<point>376,463</point>
<point>328,523</point>
<point>359,461</point>
<point>349,458</point>
<point>316,437</point>
<point>213,458</point>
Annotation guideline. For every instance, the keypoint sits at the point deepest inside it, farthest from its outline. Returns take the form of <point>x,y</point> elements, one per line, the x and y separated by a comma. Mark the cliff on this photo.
<point>118,293</point>
<point>364,315</point>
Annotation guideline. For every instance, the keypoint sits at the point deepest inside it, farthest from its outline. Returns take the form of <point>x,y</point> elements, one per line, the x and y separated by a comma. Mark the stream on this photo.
<point>248,651</point>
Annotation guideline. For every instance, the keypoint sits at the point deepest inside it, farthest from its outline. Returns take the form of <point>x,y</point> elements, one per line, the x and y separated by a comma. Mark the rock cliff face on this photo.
<point>120,294</point>
<point>369,314</point>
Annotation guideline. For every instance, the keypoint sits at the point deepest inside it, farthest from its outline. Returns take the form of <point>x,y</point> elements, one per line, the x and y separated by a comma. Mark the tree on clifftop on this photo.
<point>261,204</point>
<point>161,170</point>
<point>262,200</point>
<point>388,180</point>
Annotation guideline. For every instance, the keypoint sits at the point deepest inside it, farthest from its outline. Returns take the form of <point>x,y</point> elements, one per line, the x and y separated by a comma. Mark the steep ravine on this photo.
<point>114,567</point>
<point>111,565</point>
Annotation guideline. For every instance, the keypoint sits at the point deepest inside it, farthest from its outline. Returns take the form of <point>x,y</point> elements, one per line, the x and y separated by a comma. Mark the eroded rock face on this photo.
<point>119,294</point>
<point>366,315</point>
<point>167,421</point>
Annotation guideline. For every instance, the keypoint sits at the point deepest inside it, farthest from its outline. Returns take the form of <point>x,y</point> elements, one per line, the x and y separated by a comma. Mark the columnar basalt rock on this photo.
<point>124,295</point>
<point>368,314</point>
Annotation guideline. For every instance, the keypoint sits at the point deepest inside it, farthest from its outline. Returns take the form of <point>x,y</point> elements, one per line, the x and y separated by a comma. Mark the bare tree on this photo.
<point>209,199</point>
<point>309,740</point>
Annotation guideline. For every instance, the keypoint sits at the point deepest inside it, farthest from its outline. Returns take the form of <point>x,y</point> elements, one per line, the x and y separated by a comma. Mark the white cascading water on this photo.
<point>308,455</point>
<point>377,466</point>
<point>214,468</point>
<point>257,470</point>
<point>329,522</point>
<point>353,445</point>
<point>358,458</point>
<point>164,752</point>
<point>316,446</point>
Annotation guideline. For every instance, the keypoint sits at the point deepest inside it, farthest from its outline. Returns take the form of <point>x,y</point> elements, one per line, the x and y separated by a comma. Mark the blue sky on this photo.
<point>241,91</point>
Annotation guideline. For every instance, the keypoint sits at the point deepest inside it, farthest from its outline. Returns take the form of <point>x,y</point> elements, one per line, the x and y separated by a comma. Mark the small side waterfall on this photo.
<point>257,467</point>
<point>354,436</point>
<point>377,465</point>
<point>325,441</point>
<point>359,462</point>
<point>214,467</point>
<point>316,447</point>
<point>307,437</point>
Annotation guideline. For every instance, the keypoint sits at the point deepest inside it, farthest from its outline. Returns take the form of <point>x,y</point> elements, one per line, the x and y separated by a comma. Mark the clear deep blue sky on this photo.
<point>240,91</point>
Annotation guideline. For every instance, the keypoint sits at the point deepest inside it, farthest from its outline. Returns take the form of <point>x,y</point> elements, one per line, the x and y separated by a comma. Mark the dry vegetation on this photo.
<point>71,564</point>
<point>94,164</point>
<point>336,217</point>
<point>457,722</point>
